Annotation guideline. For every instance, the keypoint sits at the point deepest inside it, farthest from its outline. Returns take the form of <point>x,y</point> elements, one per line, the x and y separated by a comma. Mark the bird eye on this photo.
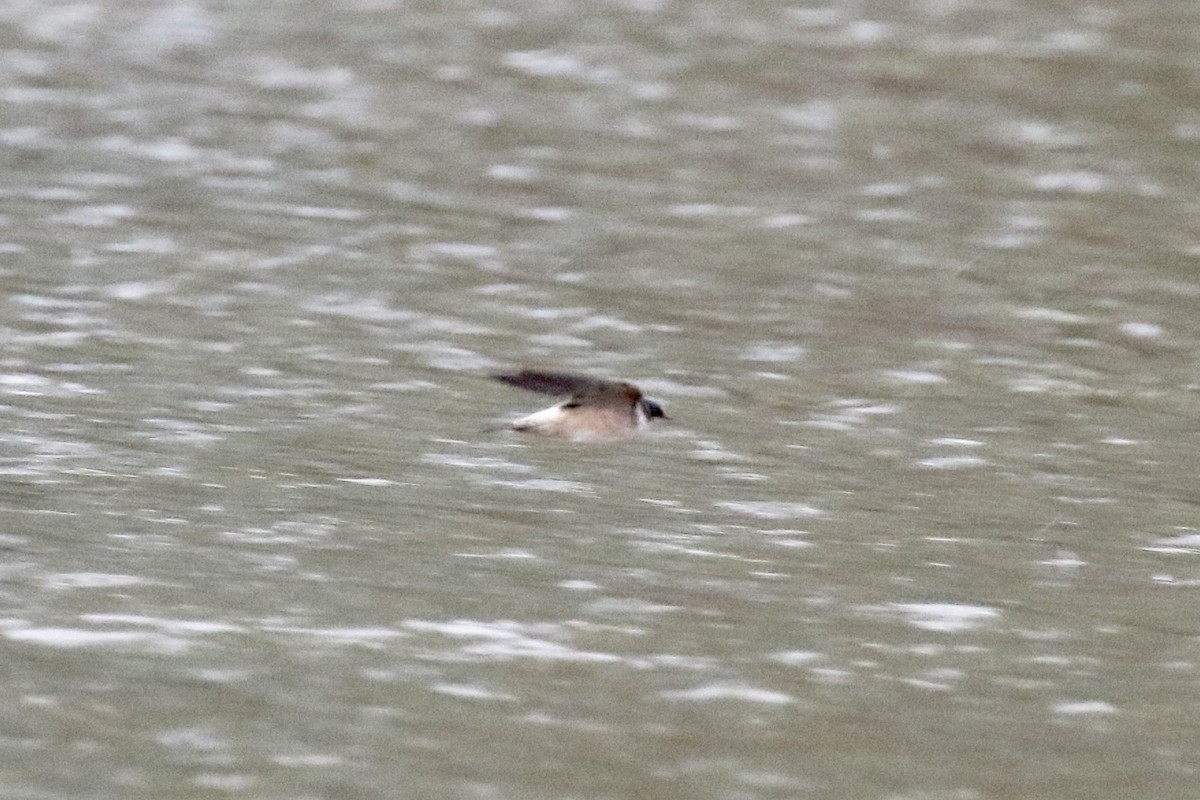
<point>652,409</point>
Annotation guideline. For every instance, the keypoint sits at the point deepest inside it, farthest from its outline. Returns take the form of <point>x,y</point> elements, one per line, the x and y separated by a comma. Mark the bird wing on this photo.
<point>555,383</point>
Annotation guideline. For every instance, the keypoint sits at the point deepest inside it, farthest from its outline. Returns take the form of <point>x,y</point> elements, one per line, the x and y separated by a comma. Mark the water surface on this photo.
<point>917,286</point>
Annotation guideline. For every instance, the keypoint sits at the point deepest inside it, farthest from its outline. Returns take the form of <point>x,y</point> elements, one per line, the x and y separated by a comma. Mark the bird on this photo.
<point>595,409</point>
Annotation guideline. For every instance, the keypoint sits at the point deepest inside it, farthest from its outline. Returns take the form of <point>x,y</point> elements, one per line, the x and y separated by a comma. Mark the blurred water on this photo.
<point>917,284</point>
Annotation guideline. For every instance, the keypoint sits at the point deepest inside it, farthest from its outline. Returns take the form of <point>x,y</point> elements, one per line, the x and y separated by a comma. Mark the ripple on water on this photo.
<point>138,290</point>
<point>508,640</point>
<point>557,64</point>
<point>78,638</point>
<point>44,456</point>
<point>915,376</point>
<point>30,385</point>
<point>1077,182</point>
<point>543,485</point>
<point>440,355</point>
<point>851,413</point>
<point>773,353</point>
<point>727,691</point>
<point>166,624</point>
<point>797,658</point>
<point>1184,543</point>
<point>94,216</point>
<point>952,462</point>
<point>766,509</point>
<point>144,245</point>
<point>89,580</point>
<point>472,691</point>
<point>1078,707</point>
<point>944,617</point>
<point>507,554</point>
<point>171,27</point>
<point>475,462</point>
<point>953,441</point>
<point>341,636</point>
<point>484,256</point>
<point>1141,330</point>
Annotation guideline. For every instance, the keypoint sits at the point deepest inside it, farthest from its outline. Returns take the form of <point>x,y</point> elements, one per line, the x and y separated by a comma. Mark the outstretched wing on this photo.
<point>555,383</point>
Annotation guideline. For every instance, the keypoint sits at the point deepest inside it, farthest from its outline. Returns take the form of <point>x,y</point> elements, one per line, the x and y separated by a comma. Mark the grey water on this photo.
<point>916,282</point>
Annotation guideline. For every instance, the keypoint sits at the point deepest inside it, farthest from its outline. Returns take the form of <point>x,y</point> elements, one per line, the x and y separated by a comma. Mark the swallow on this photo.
<point>594,409</point>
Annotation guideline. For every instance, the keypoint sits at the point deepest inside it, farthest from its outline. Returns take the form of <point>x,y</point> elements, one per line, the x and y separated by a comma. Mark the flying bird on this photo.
<point>594,408</point>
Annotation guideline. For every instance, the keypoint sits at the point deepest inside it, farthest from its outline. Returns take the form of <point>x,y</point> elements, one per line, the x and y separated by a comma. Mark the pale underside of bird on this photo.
<point>594,409</point>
